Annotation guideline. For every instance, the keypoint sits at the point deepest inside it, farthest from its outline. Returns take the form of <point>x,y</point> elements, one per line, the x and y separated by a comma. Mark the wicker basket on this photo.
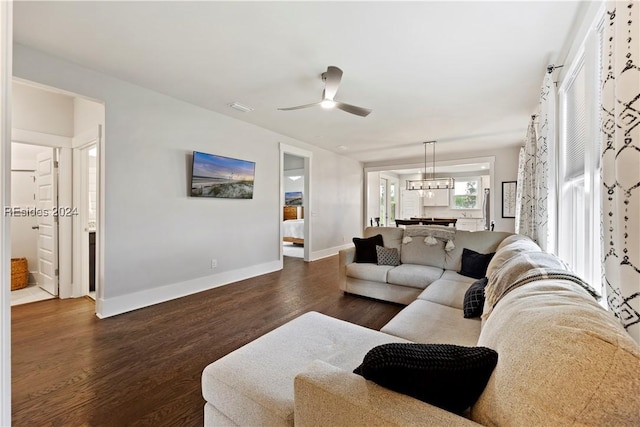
<point>19,273</point>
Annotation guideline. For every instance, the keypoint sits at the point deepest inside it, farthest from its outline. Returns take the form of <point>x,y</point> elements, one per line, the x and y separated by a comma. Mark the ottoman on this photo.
<point>253,385</point>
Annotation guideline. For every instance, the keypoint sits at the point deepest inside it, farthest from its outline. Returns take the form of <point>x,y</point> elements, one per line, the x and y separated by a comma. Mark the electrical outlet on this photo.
<point>214,263</point>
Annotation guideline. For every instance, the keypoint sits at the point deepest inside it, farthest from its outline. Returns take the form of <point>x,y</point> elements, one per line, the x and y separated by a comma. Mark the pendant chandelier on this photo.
<point>427,185</point>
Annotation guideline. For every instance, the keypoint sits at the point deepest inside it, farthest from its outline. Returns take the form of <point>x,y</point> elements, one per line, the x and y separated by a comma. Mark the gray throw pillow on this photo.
<point>387,256</point>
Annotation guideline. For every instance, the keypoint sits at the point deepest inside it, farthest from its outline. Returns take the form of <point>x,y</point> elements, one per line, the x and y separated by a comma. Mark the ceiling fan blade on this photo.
<point>331,82</point>
<point>358,111</point>
<point>299,107</point>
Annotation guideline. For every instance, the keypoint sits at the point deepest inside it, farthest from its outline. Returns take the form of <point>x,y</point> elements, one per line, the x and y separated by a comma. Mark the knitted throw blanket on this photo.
<point>430,234</point>
<point>527,267</point>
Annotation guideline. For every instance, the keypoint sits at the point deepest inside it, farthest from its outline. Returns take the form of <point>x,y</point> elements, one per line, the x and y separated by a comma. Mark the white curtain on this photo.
<point>526,186</point>
<point>620,174</point>
<point>535,194</point>
<point>545,165</point>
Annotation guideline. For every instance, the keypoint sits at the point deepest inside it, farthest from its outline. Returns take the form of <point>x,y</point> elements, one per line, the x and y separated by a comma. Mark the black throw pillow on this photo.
<point>366,249</point>
<point>474,299</point>
<point>475,264</point>
<point>449,376</point>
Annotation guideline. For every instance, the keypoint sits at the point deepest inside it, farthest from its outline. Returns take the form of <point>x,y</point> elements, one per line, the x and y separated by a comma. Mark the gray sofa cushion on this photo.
<point>479,241</point>
<point>419,253</point>
<point>510,247</point>
<point>454,276</point>
<point>415,276</point>
<point>254,384</point>
<point>430,322</point>
<point>445,292</point>
<point>564,360</point>
<point>391,236</point>
<point>373,272</point>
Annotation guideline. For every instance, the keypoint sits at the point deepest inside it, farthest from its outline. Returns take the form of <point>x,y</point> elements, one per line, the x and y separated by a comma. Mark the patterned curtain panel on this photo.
<point>535,190</point>
<point>621,162</point>
<point>544,181</point>
<point>526,187</point>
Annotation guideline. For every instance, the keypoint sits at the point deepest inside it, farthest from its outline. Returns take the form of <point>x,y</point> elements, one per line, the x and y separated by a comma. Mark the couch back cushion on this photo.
<point>510,247</point>
<point>483,242</point>
<point>391,236</point>
<point>418,252</point>
<point>562,360</point>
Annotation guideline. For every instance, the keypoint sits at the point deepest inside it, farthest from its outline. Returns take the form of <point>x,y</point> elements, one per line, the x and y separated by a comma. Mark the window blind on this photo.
<point>576,126</point>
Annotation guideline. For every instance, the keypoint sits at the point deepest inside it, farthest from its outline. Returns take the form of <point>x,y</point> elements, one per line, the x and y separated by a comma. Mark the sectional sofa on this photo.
<point>562,358</point>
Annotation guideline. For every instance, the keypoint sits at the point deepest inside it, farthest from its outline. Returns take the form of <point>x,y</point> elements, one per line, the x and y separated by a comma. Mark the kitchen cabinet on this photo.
<point>470,224</point>
<point>440,197</point>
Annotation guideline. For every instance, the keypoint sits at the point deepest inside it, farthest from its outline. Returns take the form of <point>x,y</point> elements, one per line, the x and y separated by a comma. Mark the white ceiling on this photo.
<point>464,73</point>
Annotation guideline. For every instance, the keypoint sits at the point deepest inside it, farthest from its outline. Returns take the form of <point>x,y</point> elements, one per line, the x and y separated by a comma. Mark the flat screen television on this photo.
<point>222,177</point>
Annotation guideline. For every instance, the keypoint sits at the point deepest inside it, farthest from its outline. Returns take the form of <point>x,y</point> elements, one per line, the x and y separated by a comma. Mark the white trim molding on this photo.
<point>40,138</point>
<point>6,45</point>
<point>325,253</point>
<point>129,302</point>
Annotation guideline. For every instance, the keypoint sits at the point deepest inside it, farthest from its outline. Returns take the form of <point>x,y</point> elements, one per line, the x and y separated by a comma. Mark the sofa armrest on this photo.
<point>346,257</point>
<point>329,396</point>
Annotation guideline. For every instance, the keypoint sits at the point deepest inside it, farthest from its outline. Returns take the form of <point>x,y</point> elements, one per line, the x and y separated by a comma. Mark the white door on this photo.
<point>409,204</point>
<point>46,202</point>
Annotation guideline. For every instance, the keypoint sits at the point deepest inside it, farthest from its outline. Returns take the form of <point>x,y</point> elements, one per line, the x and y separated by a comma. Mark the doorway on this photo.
<point>295,190</point>
<point>34,230</point>
<point>388,200</point>
<point>59,136</point>
<point>86,189</point>
<point>293,209</point>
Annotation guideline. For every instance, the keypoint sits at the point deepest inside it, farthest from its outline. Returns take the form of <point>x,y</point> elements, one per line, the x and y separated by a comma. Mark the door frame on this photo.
<point>306,196</point>
<point>6,50</point>
<point>418,166</point>
<point>82,143</point>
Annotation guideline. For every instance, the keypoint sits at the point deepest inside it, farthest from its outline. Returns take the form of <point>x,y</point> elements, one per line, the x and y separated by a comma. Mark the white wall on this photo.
<point>158,242</point>
<point>87,115</point>
<point>24,156</point>
<point>293,166</point>
<point>294,185</point>
<point>37,110</point>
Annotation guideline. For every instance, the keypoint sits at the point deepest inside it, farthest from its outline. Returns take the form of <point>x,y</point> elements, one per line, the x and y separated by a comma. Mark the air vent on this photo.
<point>240,107</point>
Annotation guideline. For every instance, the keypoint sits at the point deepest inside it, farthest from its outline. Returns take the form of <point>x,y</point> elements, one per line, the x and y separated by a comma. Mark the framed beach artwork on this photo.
<point>293,198</point>
<point>221,177</point>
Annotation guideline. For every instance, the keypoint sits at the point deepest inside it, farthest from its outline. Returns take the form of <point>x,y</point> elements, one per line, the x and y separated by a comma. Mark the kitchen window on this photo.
<point>466,193</point>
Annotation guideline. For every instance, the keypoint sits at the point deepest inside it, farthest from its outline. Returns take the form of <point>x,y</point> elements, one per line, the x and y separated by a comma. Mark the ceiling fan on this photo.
<point>331,80</point>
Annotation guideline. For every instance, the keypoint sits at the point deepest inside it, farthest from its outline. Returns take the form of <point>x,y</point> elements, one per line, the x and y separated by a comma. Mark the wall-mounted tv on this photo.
<point>293,198</point>
<point>223,177</point>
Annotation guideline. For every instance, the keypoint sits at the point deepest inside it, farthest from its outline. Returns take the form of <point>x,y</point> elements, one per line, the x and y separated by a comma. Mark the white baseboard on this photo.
<point>316,255</point>
<point>121,304</point>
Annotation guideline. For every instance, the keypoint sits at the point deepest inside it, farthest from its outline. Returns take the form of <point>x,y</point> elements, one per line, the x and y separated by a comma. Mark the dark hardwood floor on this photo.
<point>143,368</point>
